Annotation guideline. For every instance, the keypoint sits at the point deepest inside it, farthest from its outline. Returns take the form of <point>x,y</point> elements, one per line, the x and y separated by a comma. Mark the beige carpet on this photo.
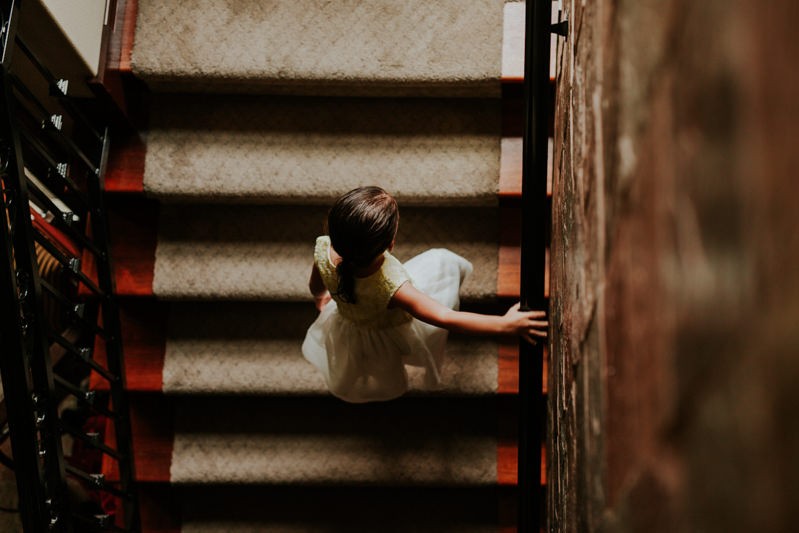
<point>309,150</point>
<point>411,441</point>
<point>266,252</point>
<point>238,348</point>
<point>346,46</point>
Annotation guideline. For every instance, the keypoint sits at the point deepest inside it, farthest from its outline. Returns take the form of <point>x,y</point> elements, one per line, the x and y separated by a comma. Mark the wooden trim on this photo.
<point>152,421</point>
<point>507,443</point>
<point>124,31</point>
<point>508,270</point>
<point>508,372</point>
<point>508,464</point>
<point>114,45</point>
<point>143,324</point>
<point>126,166</point>
<point>133,222</point>
<point>128,35</point>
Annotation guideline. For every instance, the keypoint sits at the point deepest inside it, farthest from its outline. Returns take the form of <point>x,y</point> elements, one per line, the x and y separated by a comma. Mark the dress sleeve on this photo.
<point>395,275</point>
<point>322,262</point>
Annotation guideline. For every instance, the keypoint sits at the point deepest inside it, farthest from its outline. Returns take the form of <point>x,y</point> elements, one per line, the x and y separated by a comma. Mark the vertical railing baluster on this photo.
<point>535,225</point>
<point>114,355</point>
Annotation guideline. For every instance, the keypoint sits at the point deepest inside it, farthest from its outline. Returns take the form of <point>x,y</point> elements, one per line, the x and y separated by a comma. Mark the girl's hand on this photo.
<point>525,323</point>
<point>322,300</point>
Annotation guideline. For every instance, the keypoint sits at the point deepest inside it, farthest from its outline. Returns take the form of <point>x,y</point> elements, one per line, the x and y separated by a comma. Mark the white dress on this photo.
<point>361,349</point>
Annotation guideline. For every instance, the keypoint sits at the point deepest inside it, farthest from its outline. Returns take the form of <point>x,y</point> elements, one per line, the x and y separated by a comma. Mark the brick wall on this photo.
<point>675,274</point>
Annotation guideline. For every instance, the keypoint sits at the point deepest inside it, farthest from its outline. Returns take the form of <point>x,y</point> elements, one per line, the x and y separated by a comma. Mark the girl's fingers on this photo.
<point>529,339</point>
<point>539,323</point>
<point>532,314</point>
<point>538,333</point>
<point>535,314</point>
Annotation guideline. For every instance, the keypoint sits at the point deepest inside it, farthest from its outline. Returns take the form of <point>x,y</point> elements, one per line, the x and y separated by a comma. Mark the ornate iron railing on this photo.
<point>59,322</point>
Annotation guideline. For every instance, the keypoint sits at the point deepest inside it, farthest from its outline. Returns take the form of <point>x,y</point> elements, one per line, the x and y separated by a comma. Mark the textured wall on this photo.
<point>674,278</point>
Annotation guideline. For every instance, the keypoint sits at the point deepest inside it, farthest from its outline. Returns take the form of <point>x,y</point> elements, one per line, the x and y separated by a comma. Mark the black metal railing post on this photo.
<point>535,226</point>
<point>114,356</point>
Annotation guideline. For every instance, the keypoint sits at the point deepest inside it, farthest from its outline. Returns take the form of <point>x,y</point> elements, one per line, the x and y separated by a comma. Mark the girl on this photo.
<point>383,314</point>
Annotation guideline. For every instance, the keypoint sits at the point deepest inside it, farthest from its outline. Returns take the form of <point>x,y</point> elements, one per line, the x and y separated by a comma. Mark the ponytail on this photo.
<point>346,281</point>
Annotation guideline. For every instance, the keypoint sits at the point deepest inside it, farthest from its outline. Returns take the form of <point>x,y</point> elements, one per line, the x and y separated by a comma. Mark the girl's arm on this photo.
<point>320,293</point>
<point>426,309</point>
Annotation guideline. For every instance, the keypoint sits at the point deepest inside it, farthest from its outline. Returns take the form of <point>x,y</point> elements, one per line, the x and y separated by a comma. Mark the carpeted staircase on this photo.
<point>260,114</point>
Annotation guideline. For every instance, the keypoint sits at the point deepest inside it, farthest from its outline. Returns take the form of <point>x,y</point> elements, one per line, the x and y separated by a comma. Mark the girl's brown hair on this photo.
<point>362,224</point>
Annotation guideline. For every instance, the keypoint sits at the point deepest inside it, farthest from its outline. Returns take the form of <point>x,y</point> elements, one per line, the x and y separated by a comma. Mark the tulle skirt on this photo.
<point>362,364</point>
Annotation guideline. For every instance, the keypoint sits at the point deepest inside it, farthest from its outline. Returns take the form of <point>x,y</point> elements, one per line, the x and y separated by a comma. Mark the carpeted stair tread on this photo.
<point>254,348</point>
<point>310,150</point>
<point>377,47</point>
<point>340,509</point>
<point>266,252</point>
<point>412,441</point>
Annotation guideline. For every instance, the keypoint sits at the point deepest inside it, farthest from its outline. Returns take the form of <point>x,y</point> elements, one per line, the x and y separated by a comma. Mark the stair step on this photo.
<point>199,428</point>
<point>254,348</point>
<point>235,348</point>
<point>134,227</point>
<point>260,446</point>
<point>265,252</point>
<point>128,154</point>
<point>319,441</point>
<point>256,149</point>
<point>381,47</point>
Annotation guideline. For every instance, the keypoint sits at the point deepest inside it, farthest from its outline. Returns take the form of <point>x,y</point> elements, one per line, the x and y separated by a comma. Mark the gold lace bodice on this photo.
<point>372,293</point>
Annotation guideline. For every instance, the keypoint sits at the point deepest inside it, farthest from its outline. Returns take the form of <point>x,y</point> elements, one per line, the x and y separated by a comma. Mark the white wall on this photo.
<point>82,21</point>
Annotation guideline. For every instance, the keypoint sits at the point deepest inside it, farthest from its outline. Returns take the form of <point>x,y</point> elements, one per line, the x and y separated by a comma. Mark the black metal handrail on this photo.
<point>62,179</point>
<point>535,230</point>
